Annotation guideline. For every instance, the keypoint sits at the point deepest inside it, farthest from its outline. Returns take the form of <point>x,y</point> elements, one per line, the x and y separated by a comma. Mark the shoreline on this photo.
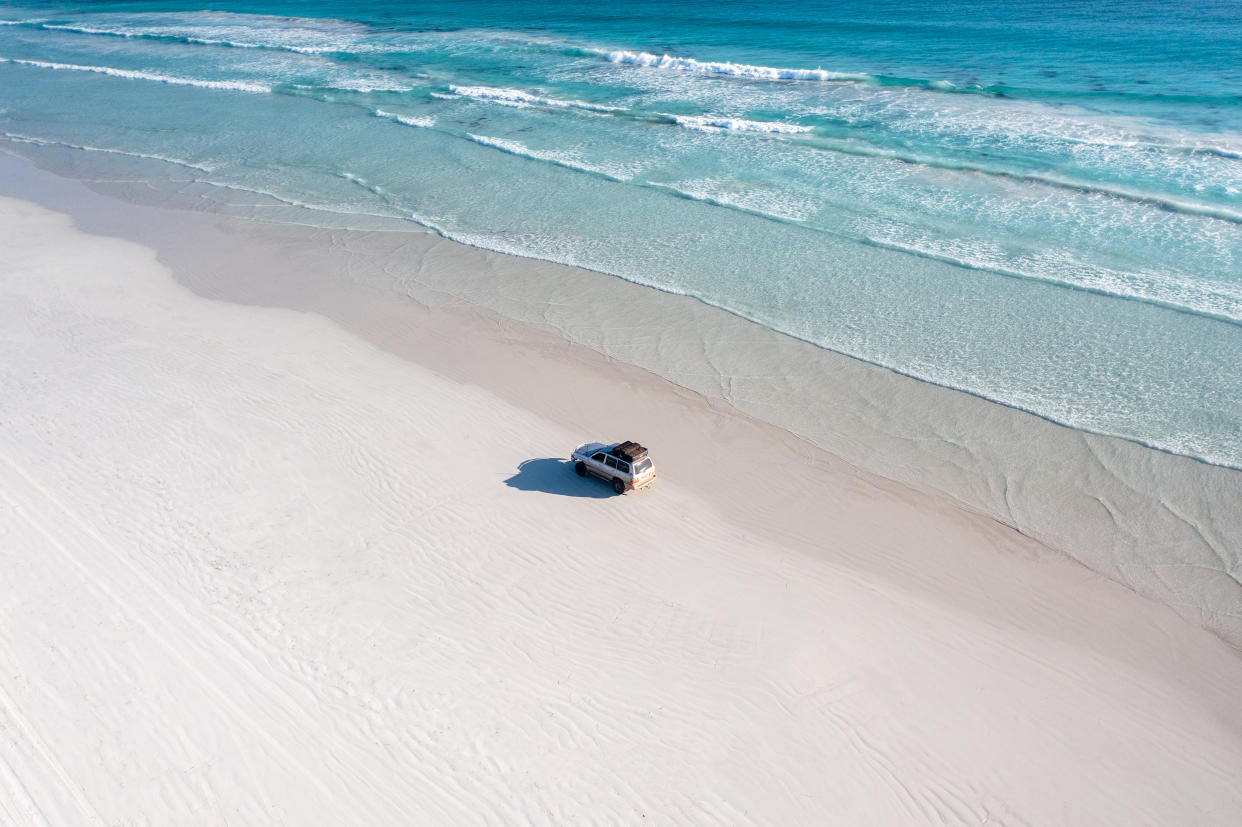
<point>1154,521</point>
<point>324,562</point>
<point>192,194</point>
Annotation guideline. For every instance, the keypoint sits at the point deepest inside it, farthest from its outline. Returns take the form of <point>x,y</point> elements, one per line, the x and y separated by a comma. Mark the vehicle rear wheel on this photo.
<point>618,485</point>
<point>580,467</point>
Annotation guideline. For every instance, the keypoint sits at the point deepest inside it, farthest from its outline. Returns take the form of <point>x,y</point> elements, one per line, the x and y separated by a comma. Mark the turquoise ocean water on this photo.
<point>1039,203</point>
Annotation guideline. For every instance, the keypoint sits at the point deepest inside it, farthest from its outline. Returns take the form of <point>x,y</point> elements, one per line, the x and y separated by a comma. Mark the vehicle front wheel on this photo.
<point>618,485</point>
<point>580,467</point>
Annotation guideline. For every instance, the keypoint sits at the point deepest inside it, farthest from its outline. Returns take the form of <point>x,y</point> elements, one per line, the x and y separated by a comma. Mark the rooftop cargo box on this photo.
<point>630,451</point>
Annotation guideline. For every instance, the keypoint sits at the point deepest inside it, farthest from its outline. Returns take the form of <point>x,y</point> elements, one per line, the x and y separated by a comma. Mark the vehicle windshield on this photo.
<point>642,466</point>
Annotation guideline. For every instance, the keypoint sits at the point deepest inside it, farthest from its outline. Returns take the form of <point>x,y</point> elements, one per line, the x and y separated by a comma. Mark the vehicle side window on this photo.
<point>623,467</point>
<point>610,462</point>
<point>598,457</point>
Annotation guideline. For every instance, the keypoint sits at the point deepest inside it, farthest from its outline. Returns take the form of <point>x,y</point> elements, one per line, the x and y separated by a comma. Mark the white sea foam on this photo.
<point>408,120</point>
<point>1208,149</point>
<point>1109,142</point>
<point>374,189</point>
<point>282,200</point>
<point>1162,201</point>
<point>358,85</point>
<point>230,85</point>
<point>701,123</point>
<point>1170,143</point>
<point>687,64</point>
<point>345,84</point>
<point>757,201</point>
<point>28,139</point>
<point>442,96</point>
<point>1215,299</point>
<point>181,35</point>
<point>299,39</point>
<point>561,159</point>
<point>517,96</point>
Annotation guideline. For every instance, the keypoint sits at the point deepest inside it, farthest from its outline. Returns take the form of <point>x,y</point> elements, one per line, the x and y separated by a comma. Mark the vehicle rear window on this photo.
<point>624,466</point>
<point>642,466</point>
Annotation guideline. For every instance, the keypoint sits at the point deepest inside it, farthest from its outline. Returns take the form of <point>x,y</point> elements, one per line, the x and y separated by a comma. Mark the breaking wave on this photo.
<point>703,123</point>
<point>231,85</point>
<point>517,96</point>
<point>358,85</point>
<point>29,139</point>
<point>224,36</point>
<point>1222,302</point>
<point>560,159</point>
<point>687,64</point>
<point>1163,202</point>
<point>408,120</point>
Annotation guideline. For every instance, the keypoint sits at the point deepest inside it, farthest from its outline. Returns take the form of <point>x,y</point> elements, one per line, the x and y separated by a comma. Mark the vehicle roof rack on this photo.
<point>629,451</point>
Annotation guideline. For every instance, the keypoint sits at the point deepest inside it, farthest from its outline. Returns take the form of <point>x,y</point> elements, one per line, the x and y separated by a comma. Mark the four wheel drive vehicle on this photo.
<point>626,464</point>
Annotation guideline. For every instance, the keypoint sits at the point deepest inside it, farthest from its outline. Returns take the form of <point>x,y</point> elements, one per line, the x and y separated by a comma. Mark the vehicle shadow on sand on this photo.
<point>550,475</point>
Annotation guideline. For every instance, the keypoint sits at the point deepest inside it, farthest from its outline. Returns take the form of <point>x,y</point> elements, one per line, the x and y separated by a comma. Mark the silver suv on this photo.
<point>625,464</point>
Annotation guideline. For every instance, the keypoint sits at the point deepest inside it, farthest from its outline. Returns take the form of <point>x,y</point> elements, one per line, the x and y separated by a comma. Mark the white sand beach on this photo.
<point>259,569</point>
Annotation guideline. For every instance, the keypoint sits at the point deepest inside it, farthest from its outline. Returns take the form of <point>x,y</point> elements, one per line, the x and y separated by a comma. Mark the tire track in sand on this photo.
<point>196,635</point>
<point>21,796</point>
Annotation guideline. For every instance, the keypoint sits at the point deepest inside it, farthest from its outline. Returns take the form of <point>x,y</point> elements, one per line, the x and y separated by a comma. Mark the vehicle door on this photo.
<point>599,466</point>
